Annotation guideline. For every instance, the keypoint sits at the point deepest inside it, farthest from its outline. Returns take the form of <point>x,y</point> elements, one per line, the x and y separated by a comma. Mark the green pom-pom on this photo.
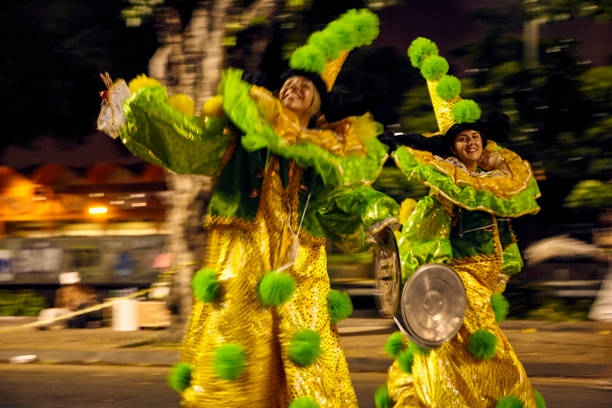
<point>275,288</point>
<point>483,344</point>
<point>394,344</point>
<point>500,306</point>
<point>540,403</point>
<point>305,347</point>
<point>339,306</point>
<point>509,401</point>
<point>419,349</point>
<point>344,31</point>
<point>466,111</point>
<point>205,285</point>
<point>179,377</point>
<point>381,397</point>
<point>420,49</point>
<point>365,24</point>
<point>434,67</point>
<point>405,360</point>
<point>304,402</point>
<point>229,361</point>
<point>449,87</point>
<point>308,58</point>
<point>326,41</point>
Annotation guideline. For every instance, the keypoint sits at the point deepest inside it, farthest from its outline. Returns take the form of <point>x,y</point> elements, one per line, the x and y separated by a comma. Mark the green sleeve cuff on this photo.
<point>512,263</point>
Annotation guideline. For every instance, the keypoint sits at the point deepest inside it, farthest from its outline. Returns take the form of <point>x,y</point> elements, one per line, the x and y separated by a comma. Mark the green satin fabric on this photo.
<point>425,237</point>
<point>512,262</point>
<point>467,196</point>
<point>168,138</point>
<point>350,212</point>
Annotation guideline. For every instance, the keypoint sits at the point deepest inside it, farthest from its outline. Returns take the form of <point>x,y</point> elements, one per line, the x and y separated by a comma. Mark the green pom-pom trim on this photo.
<point>419,349</point>
<point>420,49</point>
<point>483,344</point>
<point>304,402</point>
<point>406,359</point>
<point>381,397</point>
<point>394,344</point>
<point>275,288</point>
<point>339,306</point>
<point>179,377</point>
<point>305,347</point>
<point>229,361</point>
<point>449,87</point>
<point>205,285</point>
<point>308,58</point>
<point>344,31</point>
<point>365,25</point>
<point>540,403</point>
<point>326,41</point>
<point>500,306</point>
<point>466,111</point>
<point>509,401</point>
<point>434,67</point>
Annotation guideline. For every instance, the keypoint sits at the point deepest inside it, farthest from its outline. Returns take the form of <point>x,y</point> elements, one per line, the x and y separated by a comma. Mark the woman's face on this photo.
<point>297,94</point>
<point>468,147</point>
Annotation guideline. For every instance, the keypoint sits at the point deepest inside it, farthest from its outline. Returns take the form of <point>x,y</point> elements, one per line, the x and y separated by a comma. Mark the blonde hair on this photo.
<point>315,106</point>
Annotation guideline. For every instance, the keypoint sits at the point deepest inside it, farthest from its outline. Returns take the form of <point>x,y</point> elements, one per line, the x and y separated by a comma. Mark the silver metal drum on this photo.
<point>387,273</point>
<point>432,305</point>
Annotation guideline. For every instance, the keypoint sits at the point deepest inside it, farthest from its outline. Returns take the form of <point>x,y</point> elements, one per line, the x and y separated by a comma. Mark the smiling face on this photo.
<point>298,94</point>
<point>468,148</point>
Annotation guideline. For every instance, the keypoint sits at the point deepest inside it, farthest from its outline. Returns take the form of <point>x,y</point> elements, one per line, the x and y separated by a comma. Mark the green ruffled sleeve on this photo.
<point>351,212</point>
<point>160,134</point>
<point>512,263</point>
<point>425,237</point>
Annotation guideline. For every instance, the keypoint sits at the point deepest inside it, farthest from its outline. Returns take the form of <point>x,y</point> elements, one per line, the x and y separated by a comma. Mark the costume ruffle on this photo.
<point>509,195</point>
<point>252,109</point>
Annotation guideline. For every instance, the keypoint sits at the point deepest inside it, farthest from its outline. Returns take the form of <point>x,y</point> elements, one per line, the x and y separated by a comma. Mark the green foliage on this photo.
<point>381,397</point>
<point>420,49</point>
<point>466,111</point>
<point>509,401</point>
<point>590,193</point>
<point>557,310</point>
<point>434,67</point>
<point>309,58</point>
<point>449,87</point>
<point>539,399</point>
<point>275,288</point>
<point>339,306</point>
<point>305,401</point>
<point>406,359</point>
<point>229,361</point>
<point>305,347</point>
<point>394,344</point>
<point>500,306</point>
<point>180,376</point>
<point>205,285</point>
<point>482,344</point>
<point>22,303</point>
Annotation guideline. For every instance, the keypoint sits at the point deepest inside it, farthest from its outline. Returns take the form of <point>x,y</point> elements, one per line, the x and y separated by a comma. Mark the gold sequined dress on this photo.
<point>464,222</point>
<point>280,193</point>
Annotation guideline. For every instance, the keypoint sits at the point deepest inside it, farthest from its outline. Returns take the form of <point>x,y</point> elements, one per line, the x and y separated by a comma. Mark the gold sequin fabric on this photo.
<point>241,253</point>
<point>450,376</point>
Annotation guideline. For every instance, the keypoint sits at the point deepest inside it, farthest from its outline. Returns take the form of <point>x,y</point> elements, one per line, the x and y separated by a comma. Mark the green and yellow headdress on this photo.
<point>444,89</point>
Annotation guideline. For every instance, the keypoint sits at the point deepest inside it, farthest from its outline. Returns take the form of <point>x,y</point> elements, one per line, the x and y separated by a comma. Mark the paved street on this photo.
<point>91,386</point>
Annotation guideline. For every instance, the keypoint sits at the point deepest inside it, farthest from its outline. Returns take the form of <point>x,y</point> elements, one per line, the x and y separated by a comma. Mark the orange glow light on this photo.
<point>97,210</point>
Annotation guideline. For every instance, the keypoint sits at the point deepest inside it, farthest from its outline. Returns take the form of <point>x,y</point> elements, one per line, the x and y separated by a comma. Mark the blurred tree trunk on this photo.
<point>190,61</point>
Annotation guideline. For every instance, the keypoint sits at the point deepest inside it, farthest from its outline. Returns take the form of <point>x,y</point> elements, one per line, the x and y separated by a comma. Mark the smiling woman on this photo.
<point>300,95</point>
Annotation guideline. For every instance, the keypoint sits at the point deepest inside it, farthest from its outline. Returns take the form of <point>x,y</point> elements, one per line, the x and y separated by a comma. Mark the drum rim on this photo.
<point>398,273</point>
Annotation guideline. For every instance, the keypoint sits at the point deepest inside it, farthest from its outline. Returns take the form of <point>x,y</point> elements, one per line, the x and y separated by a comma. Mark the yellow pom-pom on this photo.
<point>213,107</point>
<point>142,80</point>
<point>182,103</point>
<point>406,209</point>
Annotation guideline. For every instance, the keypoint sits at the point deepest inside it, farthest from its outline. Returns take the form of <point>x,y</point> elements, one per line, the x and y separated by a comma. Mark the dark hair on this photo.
<point>496,127</point>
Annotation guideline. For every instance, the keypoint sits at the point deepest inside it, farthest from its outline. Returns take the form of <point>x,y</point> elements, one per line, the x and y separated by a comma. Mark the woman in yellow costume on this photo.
<point>475,189</point>
<point>262,329</point>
